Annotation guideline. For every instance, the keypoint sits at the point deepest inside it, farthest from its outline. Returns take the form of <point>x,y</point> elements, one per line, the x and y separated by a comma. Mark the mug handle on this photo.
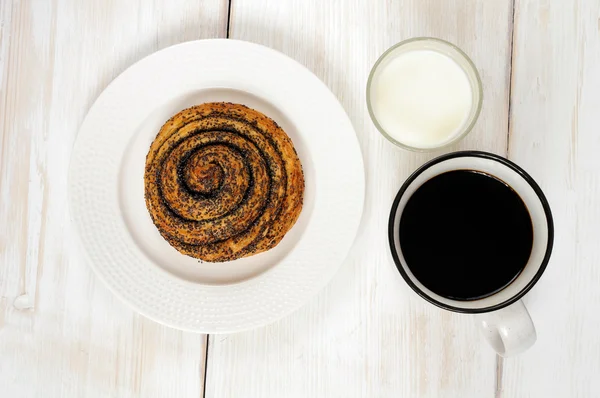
<point>509,331</point>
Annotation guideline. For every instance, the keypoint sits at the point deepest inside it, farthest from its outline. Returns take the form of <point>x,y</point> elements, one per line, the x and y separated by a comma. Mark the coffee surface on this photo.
<point>465,235</point>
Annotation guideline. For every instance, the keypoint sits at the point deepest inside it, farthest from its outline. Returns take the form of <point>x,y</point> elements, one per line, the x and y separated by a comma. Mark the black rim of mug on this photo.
<point>518,170</point>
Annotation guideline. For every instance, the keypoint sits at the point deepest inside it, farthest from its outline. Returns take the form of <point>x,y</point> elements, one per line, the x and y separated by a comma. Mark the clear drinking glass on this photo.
<point>445,48</point>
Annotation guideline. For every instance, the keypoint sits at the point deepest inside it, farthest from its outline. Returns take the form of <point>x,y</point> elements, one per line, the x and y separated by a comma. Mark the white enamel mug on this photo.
<point>502,317</point>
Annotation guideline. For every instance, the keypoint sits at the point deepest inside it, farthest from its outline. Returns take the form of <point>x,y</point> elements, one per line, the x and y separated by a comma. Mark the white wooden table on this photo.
<point>63,334</point>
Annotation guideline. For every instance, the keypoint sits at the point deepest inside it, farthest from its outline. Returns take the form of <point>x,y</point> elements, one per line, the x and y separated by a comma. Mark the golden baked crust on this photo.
<point>222,182</point>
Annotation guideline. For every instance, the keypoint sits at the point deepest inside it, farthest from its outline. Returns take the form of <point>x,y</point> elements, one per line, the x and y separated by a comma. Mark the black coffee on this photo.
<point>465,235</point>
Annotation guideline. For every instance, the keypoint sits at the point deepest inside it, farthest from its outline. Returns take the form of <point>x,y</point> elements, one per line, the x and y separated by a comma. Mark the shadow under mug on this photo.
<point>502,317</point>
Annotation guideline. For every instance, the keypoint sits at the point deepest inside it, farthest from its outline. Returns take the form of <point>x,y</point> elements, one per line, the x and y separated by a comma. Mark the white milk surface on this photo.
<point>421,98</point>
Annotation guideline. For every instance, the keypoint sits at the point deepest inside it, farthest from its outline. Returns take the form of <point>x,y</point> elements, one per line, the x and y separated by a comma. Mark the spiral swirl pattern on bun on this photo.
<point>223,181</point>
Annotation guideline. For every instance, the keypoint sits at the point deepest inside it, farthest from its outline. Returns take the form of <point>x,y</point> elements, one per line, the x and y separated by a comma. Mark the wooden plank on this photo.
<point>367,334</point>
<point>62,333</point>
<point>554,135</point>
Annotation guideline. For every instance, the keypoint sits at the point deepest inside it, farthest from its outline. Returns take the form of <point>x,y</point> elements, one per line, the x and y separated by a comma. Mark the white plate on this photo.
<point>106,189</point>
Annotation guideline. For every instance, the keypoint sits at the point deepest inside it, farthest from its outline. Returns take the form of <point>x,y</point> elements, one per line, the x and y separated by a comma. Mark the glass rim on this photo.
<point>463,131</point>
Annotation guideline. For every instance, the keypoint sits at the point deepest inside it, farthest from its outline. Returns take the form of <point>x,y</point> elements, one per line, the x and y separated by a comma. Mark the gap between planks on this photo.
<point>499,360</point>
<point>208,335</point>
<point>510,77</point>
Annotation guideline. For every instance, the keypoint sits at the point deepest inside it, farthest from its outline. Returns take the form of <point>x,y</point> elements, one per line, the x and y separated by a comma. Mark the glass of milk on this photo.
<point>424,94</point>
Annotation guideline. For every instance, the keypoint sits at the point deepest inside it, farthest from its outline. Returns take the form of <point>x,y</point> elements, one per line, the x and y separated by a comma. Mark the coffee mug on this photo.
<point>501,316</point>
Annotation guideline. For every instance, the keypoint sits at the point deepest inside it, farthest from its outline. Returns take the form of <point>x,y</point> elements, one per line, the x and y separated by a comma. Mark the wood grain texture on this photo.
<point>367,334</point>
<point>62,333</point>
<point>554,135</point>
